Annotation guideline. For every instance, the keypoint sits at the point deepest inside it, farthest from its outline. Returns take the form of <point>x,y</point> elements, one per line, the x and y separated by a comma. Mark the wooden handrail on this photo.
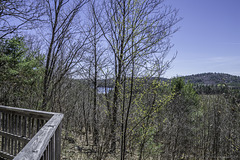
<point>29,112</point>
<point>30,135</point>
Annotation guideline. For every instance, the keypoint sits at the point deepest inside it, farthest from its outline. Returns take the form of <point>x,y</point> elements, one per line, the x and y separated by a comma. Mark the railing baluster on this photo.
<point>20,121</point>
<point>9,130</point>
<point>5,129</point>
<point>29,127</point>
<point>42,123</point>
<point>18,146</point>
<point>7,123</point>
<point>33,128</point>
<point>45,154</point>
<point>1,126</point>
<point>0,120</point>
<point>48,151</point>
<point>58,141</point>
<point>6,149</point>
<point>19,127</point>
<point>3,122</point>
<point>53,148</point>
<point>13,132</point>
<point>16,124</point>
<point>16,133</point>
<point>24,126</point>
<point>15,148</point>
<point>5,144</point>
<point>10,123</point>
<point>38,125</point>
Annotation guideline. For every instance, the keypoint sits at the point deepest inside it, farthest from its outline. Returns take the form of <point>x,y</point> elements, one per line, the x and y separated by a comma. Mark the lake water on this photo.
<point>101,90</point>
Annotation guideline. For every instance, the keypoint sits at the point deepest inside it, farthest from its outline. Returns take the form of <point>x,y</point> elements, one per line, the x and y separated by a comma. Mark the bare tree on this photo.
<point>17,15</point>
<point>64,50</point>
<point>95,60</point>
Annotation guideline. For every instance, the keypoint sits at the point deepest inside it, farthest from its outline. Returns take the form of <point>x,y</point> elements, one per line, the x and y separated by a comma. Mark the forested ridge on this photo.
<point>197,79</point>
<point>102,64</point>
<point>214,79</point>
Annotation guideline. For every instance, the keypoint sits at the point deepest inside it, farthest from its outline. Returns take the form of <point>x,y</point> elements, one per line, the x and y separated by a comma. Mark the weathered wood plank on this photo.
<point>6,155</point>
<point>38,144</point>
<point>27,112</point>
<point>13,136</point>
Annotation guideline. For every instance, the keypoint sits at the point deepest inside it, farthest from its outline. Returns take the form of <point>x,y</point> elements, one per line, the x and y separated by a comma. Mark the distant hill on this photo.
<point>213,79</point>
<point>203,78</point>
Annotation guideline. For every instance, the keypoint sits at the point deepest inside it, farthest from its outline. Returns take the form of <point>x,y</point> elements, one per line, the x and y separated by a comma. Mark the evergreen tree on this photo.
<point>20,70</point>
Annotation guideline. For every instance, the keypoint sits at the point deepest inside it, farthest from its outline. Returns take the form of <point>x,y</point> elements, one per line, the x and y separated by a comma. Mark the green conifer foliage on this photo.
<point>20,71</point>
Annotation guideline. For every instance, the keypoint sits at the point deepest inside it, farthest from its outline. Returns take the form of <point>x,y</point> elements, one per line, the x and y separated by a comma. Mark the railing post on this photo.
<point>52,147</point>
<point>58,142</point>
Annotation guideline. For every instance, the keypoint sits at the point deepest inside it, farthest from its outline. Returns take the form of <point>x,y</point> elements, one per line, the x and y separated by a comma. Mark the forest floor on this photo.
<point>74,147</point>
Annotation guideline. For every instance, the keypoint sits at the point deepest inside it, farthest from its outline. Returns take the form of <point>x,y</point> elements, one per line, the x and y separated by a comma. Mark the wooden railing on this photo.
<point>29,135</point>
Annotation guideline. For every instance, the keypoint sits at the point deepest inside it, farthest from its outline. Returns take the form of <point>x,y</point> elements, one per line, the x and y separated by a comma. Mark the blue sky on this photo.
<point>208,39</point>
